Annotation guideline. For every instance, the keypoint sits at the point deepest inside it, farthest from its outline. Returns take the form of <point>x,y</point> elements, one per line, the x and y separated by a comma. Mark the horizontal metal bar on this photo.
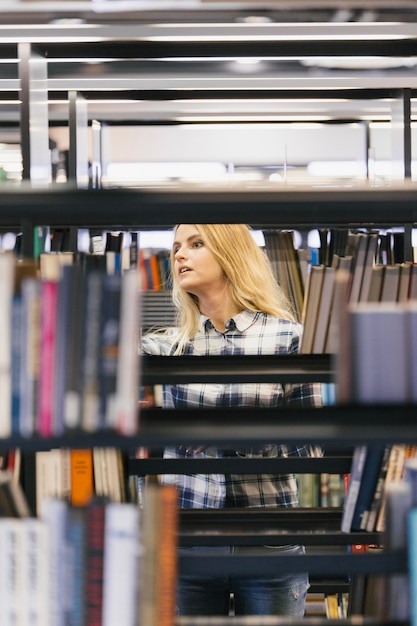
<point>276,620</point>
<point>245,426</point>
<point>238,368</point>
<point>308,526</point>
<point>257,564</point>
<point>162,207</point>
<point>240,465</point>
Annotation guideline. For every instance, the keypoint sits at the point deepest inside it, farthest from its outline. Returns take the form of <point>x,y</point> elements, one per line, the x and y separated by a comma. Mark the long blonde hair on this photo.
<point>248,272</point>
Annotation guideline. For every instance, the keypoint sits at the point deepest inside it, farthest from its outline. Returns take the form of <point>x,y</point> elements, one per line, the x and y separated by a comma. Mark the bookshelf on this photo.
<point>21,209</point>
<point>333,425</point>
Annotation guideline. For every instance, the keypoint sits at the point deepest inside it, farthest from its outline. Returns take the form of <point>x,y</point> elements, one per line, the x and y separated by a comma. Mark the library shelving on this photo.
<point>331,425</point>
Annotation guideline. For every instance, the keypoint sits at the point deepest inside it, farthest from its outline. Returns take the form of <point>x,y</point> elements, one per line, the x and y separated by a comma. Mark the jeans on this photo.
<point>208,595</point>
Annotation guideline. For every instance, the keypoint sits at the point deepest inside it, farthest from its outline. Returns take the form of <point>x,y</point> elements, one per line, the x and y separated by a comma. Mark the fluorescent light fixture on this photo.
<point>142,172</point>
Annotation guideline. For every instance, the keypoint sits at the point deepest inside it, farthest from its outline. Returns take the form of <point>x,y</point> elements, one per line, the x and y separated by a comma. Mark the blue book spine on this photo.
<point>367,487</point>
<point>412,564</point>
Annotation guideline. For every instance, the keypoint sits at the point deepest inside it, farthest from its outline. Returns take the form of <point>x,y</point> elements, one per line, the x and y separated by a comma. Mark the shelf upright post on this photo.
<point>34,124</point>
<point>401,135</point>
<point>78,140</point>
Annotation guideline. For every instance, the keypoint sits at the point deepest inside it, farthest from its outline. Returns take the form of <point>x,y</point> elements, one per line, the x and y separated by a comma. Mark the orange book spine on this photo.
<point>82,477</point>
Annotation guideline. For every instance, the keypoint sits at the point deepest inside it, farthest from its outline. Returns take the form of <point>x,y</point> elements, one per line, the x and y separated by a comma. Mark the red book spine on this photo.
<point>95,557</point>
<point>49,292</point>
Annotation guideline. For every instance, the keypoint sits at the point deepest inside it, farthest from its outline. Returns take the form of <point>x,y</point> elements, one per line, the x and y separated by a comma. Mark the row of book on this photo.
<point>350,267</point>
<point>324,490</point>
<point>102,564</point>
<point>69,356</point>
<point>374,469</point>
<point>393,597</point>
<point>329,605</point>
<point>79,475</point>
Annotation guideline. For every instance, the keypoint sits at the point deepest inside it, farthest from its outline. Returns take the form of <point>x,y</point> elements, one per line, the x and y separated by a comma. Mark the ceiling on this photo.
<point>164,62</point>
<point>216,11</point>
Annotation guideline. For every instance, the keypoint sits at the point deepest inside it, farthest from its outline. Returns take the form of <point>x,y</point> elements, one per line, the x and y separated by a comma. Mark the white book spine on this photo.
<point>11,571</point>
<point>121,561</point>
<point>54,514</point>
<point>35,604</point>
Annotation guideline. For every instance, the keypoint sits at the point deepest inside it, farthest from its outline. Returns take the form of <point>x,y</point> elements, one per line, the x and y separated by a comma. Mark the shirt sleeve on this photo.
<point>157,344</point>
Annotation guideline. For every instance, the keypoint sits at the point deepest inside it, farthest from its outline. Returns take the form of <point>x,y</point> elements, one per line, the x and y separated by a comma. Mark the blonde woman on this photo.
<point>229,303</point>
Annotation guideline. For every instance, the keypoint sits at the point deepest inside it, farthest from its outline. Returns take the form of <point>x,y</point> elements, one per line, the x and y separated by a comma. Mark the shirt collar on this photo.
<point>241,321</point>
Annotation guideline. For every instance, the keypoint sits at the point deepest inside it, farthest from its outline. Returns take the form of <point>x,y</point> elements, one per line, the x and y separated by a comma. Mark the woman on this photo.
<point>229,303</point>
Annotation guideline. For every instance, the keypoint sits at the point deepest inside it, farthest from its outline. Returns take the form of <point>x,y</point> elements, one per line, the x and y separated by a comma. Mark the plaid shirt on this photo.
<point>246,333</point>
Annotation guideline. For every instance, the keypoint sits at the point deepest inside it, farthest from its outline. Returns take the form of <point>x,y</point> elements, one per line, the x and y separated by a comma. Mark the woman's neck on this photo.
<point>219,311</point>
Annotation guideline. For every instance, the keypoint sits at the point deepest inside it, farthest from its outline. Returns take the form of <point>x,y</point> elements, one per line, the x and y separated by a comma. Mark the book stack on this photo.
<point>69,358</point>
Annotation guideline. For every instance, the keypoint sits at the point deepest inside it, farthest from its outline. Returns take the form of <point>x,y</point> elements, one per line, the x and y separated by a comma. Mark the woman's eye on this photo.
<point>197,244</point>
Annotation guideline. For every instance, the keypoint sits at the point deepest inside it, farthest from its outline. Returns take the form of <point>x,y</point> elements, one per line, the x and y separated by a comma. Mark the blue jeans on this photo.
<point>208,595</point>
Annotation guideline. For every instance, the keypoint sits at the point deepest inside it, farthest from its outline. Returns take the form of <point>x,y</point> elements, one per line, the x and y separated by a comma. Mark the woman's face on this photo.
<point>197,270</point>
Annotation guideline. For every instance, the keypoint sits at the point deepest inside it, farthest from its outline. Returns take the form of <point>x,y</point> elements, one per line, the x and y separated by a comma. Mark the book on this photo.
<point>396,596</point>
<point>359,263</point>
<point>82,476</point>
<point>90,395</point>
<point>10,505</point>
<point>375,287</point>
<point>69,347</point>
<point>367,487</point>
<point>35,565</point>
<point>158,585</point>
<point>54,515</point>
<point>95,521</point>
<point>47,342</point>
<point>52,476</point>
<point>29,370</point>
<point>379,488</point>
<point>394,474</point>
<point>76,565</point>
<point>404,282</point>
<point>323,313</point>
<point>411,355</point>
<point>24,269</point>
<point>342,280</point>
<point>121,564</point>
<point>378,369</point>
<point>109,343</point>
<point>127,375</point>
<point>412,563</point>
<point>390,284</point>
<point>311,307</point>
<point>7,273</point>
<point>368,267</point>
<point>11,571</point>
<point>355,479</point>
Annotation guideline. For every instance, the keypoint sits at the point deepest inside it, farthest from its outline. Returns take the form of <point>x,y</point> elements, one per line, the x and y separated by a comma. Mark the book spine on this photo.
<point>11,571</point>
<point>127,388</point>
<point>367,487</point>
<point>74,347</point>
<point>95,515</point>
<point>110,329</point>
<point>120,569</point>
<point>158,587</point>
<point>82,480</point>
<point>7,270</point>
<point>358,464</point>
<point>35,603</point>
<point>412,564</point>
<point>76,566</point>
<point>90,366</point>
<point>29,371</point>
<point>54,514</point>
<point>49,291</point>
